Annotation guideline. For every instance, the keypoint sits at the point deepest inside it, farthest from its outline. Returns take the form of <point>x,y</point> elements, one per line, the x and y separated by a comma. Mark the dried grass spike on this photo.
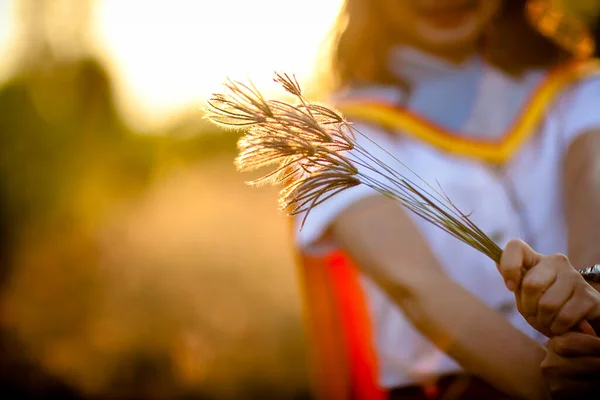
<point>316,155</point>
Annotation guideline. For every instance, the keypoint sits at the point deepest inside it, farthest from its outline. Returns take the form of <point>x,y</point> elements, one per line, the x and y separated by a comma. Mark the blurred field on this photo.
<point>133,265</point>
<point>194,290</point>
<point>137,266</point>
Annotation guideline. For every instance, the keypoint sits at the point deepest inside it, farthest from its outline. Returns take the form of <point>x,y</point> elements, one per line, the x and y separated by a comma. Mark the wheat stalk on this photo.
<point>316,156</point>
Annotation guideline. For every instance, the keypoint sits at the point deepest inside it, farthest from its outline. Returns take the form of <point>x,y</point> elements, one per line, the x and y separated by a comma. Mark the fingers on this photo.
<point>562,388</point>
<point>574,344</point>
<point>587,328</point>
<point>549,292</point>
<point>516,255</point>
<point>572,366</point>
<point>553,297</point>
<point>576,367</point>
<point>552,301</point>
<point>576,309</point>
<point>533,285</point>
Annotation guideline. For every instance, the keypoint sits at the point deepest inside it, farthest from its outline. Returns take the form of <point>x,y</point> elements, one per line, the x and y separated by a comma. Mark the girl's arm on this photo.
<point>388,248</point>
<point>581,192</point>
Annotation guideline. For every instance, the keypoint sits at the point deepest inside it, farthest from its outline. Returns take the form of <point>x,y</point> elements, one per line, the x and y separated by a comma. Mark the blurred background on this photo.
<point>134,263</point>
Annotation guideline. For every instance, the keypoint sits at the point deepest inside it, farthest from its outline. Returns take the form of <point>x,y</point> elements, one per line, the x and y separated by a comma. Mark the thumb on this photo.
<point>516,259</point>
<point>585,327</point>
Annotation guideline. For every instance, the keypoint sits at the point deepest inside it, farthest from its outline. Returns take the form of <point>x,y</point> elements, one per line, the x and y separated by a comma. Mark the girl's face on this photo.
<point>446,27</point>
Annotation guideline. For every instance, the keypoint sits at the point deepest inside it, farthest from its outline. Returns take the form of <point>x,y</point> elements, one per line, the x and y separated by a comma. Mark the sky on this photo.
<point>169,55</point>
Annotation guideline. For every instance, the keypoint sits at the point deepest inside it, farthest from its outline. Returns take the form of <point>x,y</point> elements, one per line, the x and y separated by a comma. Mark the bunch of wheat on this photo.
<point>316,156</point>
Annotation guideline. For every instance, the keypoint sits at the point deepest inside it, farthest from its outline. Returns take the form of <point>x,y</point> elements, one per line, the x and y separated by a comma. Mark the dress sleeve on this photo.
<point>579,110</point>
<point>312,236</point>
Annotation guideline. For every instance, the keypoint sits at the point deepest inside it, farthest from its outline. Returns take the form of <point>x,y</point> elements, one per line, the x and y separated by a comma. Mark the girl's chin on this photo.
<point>448,19</point>
<point>437,36</point>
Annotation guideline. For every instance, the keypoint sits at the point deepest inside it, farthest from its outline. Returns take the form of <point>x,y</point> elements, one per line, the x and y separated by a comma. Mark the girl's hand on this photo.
<point>551,295</point>
<point>572,366</point>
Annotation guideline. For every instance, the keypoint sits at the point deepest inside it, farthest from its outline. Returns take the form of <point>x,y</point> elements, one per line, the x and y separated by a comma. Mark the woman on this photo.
<point>469,94</point>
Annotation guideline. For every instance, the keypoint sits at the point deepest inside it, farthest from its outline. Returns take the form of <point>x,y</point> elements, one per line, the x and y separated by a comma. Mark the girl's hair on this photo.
<point>360,43</point>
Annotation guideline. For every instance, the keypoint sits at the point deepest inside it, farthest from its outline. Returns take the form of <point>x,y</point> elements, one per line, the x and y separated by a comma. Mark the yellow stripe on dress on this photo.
<point>494,151</point>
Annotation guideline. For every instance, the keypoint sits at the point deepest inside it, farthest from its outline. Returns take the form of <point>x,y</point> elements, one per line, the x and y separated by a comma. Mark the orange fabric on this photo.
<point>496,151</point>
<point>340,330</point>
<point>358,329</point>
<point>330,371</point>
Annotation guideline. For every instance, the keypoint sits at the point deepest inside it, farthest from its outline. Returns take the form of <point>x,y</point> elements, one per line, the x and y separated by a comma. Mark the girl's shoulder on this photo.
<point>577,108</point>
<point>583,85</point>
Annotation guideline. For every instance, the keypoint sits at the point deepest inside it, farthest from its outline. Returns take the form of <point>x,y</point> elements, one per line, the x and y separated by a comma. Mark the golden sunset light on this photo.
<point>6,35</point>
<point>169,55</point>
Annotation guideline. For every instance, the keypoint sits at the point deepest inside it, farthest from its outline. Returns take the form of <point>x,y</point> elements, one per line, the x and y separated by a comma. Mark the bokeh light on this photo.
<point>7,33</point>
<point>169,55</point>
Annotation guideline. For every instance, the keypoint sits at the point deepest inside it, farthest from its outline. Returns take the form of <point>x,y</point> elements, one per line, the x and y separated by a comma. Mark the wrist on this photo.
<point>595,285</point>
<point>594,317</point>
